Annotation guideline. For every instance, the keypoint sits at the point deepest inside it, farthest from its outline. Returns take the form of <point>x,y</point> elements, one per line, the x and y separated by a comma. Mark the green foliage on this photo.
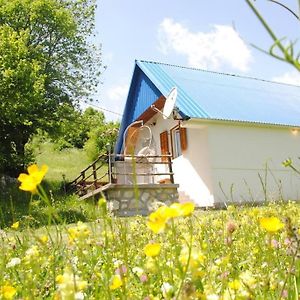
<point>99,137</point>
<point>86,129</point>
<point>72,130</point>
<point>47,61</point>
<point>100,134</point>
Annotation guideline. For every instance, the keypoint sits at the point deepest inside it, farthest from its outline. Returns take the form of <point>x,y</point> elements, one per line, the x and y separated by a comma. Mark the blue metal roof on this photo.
<point>211,95</point>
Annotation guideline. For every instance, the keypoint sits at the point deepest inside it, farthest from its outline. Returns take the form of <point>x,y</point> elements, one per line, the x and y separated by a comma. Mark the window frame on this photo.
<point>175,141</point>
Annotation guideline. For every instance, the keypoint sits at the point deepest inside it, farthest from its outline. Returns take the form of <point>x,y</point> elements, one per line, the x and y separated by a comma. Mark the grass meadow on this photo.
<point>56,247</point>
<point>67,162</point>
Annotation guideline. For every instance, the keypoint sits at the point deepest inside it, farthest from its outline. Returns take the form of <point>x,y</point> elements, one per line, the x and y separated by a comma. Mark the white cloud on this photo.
<point>113,101</point>
<point>221,46</point>
<point>292,77</point>
<point>117,93</point>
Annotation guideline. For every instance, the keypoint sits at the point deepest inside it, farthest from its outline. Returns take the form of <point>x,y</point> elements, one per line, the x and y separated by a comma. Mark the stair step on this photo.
<point>184,197</point>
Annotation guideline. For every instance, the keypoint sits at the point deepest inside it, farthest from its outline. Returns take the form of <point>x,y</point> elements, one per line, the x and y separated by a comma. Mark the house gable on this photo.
<point>142,94</point>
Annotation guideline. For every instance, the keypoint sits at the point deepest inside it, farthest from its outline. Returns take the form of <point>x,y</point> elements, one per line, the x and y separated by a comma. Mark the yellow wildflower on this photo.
<point>15,225</point>
<point>163,213</point>
<point>43,239</point>
<point>157,226</point>
<point>69,285</point>
<point>176,210</point>
<point>235,284</point>
<point>80,232</point>
<point>7,291</point>
<point>187,208</point>
<point>271,224</point>
<point>30,181</point>
<point>59,279</point>
<point>158,219</point>
<point>152,249</point>
<point>183,209</point>
<point>116,282</point>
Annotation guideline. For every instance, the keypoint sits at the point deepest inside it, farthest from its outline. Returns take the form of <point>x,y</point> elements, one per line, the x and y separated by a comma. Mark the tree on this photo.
<point>278,50</point>
<point>99,136</point>
<point>79,127</point>
<point>47,61</point>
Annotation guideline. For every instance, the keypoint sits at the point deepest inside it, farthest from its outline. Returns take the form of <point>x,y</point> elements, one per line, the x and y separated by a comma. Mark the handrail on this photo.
<point>142,156</point>
<point>80,180</point>
<point>83,187</point>
<point>81,184</point>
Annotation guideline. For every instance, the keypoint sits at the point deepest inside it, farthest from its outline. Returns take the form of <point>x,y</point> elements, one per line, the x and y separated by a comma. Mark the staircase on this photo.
<point>114,170</point>
<point>184,197</point>
<point>92,178</point>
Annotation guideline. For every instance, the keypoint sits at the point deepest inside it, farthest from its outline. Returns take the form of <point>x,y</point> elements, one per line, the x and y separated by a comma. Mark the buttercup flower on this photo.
<point>116,282</point>
<point>187,209</point>
<point>7,292</point>
<point>80,232</point>
<point>15,225</point>
<point>30,181</point>
<point>43,239</point>
<point>271,224</point>
<point>235,284</point>
<point>159,218</point>
<point>70,285</point>
<point>152,249</point>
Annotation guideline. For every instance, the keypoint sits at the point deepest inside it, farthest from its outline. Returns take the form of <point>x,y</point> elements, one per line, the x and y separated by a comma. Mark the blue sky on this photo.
<point>214,35</point>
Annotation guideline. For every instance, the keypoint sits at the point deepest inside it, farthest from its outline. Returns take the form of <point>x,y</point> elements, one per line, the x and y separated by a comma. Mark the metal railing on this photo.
<point>123,169</point>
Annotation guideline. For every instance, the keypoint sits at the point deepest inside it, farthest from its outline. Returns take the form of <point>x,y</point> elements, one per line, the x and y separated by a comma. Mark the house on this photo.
<point>228,134</point>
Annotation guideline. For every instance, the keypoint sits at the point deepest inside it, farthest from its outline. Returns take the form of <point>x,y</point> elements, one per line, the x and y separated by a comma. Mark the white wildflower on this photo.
<point>167,290</point>
<point>13,262</point>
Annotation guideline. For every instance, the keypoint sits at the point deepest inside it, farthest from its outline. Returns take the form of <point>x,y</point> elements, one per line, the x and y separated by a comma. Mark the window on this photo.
<point>164,144</point>
<point>178,140</point>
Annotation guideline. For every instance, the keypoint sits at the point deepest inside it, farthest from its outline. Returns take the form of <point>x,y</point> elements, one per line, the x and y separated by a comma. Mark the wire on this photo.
<point>104,109</point>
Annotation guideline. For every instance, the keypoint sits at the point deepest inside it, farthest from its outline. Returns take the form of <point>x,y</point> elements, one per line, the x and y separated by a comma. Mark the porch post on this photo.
<point>108,149</point>
<point>170,168</point>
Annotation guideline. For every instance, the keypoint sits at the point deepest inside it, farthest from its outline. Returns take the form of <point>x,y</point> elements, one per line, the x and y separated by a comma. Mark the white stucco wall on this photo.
<point>240,152</point>
<point>192,169</point>
<point>233,156</point>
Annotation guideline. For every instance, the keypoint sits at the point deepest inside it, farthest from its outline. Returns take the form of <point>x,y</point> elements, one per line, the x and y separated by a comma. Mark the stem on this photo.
<point>123,228</point>
<point>285,7</point>
<point>267,27</point>
<point>290,268</point>
<point>188,261</point>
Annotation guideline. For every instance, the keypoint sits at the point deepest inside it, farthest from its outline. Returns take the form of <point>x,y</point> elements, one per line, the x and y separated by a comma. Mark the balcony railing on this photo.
<point>123,169</point>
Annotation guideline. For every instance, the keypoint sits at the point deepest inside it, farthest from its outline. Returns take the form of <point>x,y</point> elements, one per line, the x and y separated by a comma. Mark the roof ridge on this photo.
<point>216,72</point>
